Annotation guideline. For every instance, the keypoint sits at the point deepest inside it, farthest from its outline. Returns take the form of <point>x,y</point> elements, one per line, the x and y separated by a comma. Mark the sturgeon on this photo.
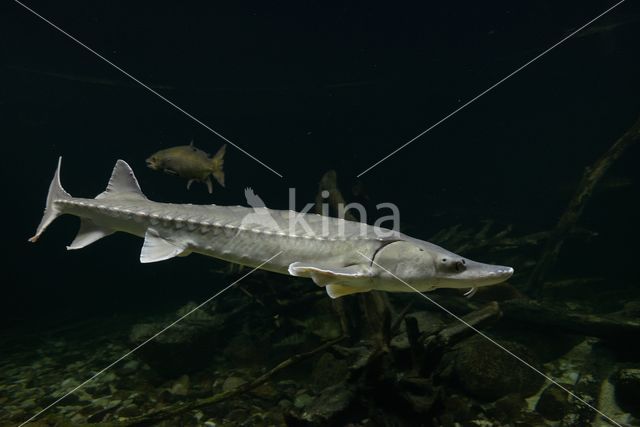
<point>344,257</point>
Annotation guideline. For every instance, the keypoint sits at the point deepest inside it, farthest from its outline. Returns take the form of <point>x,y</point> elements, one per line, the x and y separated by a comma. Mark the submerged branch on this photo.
<point>590,179</point>
<point>176,410</point>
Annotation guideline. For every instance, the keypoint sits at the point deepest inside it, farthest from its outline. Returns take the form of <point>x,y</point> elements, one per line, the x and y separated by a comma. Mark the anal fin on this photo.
<point>156,248</point>
<point>88,233</point>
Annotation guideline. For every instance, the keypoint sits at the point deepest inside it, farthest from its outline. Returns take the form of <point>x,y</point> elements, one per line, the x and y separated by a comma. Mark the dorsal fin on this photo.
<point>123,181</point>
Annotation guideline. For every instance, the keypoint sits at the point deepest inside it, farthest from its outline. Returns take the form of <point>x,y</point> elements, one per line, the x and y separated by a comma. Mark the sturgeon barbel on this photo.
<point>344,257</point>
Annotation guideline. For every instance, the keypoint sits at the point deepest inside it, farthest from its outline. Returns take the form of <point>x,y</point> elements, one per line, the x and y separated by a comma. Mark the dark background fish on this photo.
<point>191,163</point>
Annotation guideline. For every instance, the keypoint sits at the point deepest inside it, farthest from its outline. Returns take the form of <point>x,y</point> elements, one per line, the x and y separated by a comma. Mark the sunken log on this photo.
<point>535,313</point>
<point>568,220</point>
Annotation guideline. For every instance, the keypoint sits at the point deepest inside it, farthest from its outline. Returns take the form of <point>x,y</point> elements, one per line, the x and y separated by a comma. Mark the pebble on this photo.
<point>181,386</point>
<point>232,383</point>
<point>302,400</point>
<point>130,367</point>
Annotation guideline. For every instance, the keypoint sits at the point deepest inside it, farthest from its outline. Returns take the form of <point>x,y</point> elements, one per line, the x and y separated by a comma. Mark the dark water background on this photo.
<point>307,87</point>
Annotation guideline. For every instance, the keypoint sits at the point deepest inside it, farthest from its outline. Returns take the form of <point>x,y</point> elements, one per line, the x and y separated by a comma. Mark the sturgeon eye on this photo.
<point>460,267</point>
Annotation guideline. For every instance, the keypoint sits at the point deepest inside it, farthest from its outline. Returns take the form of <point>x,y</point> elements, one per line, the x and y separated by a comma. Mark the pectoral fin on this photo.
<point>337,291</point>
<point>323,276</point>
<point>156,248</point>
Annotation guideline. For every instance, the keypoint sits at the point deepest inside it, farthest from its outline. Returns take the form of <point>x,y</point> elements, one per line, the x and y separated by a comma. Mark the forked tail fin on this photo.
<point>217,162</point>
<point>51,212</point>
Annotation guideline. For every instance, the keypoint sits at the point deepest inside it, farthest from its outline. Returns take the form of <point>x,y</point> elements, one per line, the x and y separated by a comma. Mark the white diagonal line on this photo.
<point>476,330</point>
<point>168,101</point>
<point>100,372</point>
<point>490,88</point>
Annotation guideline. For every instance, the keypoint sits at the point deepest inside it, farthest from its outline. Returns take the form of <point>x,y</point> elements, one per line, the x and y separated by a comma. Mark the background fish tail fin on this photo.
<point>217,163</point>
<point>51,211</point>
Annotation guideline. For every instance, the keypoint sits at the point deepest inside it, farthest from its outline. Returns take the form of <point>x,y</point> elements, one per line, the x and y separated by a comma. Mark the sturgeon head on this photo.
<point>424,266</point>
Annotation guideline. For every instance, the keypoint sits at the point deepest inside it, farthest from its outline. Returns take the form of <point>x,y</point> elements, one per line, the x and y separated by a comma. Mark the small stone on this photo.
<point>327,407</point>
<point>285,404</point>
<point>98,389</point>
<point>181,386</point>
<point>70,399</point>
<point>129,411</point>
<point>108,377</point>
<point>552,403</point>
<point>77,419</point>
<point>627,383</point>
<point>265,391</point>
<point>232,383</point>
<point>238,415</point>
<point>509,407</point>
<point>28,404</point>
<point>69,383</point>
<point>302,400</point>
<point>130,367</point>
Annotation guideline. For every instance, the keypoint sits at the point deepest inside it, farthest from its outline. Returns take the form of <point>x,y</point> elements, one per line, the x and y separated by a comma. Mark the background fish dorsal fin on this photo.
<point>123,181</point>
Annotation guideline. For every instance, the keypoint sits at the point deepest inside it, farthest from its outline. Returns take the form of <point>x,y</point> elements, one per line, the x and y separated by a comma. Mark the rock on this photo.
<point>243,348</point>
<point>28,404</point>
<point>418,392</point>
<point>232,383</point>
<point>99,414</point>
<point>457,410</point>
<point>302,400</point>
<point>509,407</point>
<point>328,407</point>
<point>487,372</point>
<point>70,399</point>
<point>288,387</point>
<point>130,367</point>
<point>627,389</point>
<point>98,390</point>
<point>181,386</point>
<point>188,346</point>
<point>129,411</point>
<point>237,415</point>
<point>552,403</point>
<point>285,404</point>
<point>328,371</point>
<point>265,391</point>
